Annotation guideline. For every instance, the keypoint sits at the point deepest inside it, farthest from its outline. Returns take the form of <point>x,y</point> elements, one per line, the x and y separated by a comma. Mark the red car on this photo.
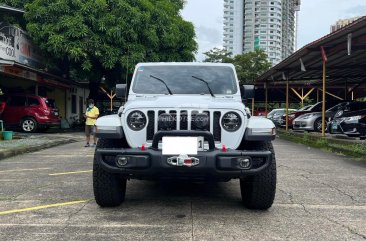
<point>30,112</point>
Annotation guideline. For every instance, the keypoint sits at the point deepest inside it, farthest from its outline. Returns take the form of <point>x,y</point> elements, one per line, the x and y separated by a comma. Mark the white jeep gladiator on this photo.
<point>185,121</point>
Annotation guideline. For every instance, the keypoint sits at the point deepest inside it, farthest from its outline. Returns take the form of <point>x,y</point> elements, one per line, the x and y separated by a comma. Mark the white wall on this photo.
<point>78,92</point>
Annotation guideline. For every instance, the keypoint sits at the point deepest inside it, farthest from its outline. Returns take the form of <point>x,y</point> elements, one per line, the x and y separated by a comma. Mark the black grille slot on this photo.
<point>184,120</point>
<point>216,126</point>
<point>159,113</point>
<point>209,118</point>
<point>193,120</point>
<point>151,126</point>
<point>174,114</point>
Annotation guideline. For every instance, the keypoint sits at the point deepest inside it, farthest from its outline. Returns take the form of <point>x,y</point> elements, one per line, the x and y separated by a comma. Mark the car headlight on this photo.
<point>136,120</point>
<point>231,121</point>
<point>353,118</point>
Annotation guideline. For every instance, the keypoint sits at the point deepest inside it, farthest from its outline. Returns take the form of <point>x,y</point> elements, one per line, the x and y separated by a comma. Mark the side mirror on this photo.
<point>121,90</point>
<point>247,91</point>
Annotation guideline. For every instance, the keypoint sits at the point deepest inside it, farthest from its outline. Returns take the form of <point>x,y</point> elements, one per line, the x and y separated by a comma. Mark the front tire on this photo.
<point>318,125</point>
<point>258,191</point>
<point>109,188</point>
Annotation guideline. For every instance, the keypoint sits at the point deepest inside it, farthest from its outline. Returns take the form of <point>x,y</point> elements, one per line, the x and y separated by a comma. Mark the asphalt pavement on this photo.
<point>47,195</point>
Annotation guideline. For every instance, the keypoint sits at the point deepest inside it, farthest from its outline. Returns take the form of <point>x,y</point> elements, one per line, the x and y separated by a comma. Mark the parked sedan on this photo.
<point>315,108</point>
<point>313,121</point>
<point>350,120</point>
<point>276,114</point>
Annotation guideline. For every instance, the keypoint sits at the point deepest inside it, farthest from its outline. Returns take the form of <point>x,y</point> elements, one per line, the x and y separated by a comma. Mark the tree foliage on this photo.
<point>249,66</point>
<point>217,55</point>
<point>93,38</point>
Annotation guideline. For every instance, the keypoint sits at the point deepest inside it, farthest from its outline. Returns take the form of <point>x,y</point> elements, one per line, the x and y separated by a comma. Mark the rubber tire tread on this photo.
<point>109,188</point>
<point>259,191</point>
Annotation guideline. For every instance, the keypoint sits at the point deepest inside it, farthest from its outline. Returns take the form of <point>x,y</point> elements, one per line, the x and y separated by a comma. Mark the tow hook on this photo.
<point>183,160</point>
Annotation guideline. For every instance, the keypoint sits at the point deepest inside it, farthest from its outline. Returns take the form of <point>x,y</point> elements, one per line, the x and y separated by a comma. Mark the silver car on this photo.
<point>276,114</point>
<point>313,121</point>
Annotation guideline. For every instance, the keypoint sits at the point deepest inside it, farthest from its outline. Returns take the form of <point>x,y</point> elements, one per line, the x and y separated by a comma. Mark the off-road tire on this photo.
<point>109,188</point>
<point>258,191</point>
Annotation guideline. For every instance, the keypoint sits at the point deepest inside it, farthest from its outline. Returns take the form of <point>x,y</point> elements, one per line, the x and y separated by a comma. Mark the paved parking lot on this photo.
<point>48,195</point>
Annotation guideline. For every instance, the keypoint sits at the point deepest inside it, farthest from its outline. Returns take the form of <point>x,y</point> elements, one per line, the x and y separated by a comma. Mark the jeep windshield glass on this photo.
<point>221,80</point>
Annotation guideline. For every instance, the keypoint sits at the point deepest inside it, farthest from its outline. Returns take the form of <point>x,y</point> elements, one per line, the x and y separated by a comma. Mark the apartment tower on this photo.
<point>270,25</point>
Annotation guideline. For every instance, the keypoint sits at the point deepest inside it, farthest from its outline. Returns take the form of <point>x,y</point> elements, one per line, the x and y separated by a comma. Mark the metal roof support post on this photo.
<point>325,59</point>
<point>253,102</point>
<point>323,99</point>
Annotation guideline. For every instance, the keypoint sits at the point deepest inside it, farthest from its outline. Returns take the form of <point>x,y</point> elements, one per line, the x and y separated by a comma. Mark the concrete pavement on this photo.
<point>47,195</point>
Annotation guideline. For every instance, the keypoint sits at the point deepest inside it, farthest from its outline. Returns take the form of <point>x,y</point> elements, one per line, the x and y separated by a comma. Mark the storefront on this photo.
<point>22,71</point>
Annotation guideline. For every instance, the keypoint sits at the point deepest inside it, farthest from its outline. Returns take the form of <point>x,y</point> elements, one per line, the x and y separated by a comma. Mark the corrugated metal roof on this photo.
<point>341,67</point>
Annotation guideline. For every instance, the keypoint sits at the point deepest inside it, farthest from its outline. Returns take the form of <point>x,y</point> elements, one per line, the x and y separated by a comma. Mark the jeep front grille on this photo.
<point>183,120</point>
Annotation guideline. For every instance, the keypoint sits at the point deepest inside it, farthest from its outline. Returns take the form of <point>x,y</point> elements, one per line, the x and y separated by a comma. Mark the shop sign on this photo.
<point>15,45</point>
<point>7,43</point>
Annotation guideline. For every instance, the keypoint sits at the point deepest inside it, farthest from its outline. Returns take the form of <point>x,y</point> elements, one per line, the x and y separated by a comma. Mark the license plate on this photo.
<point>182,145</point>
<point>334,126</point>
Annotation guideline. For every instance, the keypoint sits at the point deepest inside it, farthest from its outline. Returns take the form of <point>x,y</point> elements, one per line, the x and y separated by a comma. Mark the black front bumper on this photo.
<point>213,163</point>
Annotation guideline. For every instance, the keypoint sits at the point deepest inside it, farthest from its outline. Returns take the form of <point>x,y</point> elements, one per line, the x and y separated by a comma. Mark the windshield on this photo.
<point>183,80</point>
<point>305,107</point>
<point>338,107</point>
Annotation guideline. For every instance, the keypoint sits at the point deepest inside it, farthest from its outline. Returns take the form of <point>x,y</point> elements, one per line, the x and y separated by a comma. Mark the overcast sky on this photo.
<point>315,19</point>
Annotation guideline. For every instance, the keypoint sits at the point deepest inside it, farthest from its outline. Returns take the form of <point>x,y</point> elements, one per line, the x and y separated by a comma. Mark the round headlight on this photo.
<point>166,121</point>
<point>231,121</point>
<point>136,120</point>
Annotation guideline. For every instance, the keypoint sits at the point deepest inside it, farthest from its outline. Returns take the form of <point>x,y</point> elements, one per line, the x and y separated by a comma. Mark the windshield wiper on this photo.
<point>162,81</point>
<point>204,81</point>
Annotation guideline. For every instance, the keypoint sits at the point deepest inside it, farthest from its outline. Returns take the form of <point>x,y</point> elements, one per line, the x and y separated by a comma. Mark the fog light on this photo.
<point>121,161</point>
<point>244,162</point>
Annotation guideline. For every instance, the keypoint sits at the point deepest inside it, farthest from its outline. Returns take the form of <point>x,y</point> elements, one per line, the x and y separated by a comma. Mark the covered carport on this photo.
<point>336,61</point>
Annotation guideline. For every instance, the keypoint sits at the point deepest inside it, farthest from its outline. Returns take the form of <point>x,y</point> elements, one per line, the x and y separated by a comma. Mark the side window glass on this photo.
<point>17,101</point>
<point>33,102</point>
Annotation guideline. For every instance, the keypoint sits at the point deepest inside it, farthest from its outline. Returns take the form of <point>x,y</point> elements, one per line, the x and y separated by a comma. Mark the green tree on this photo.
<point>250,66</point>
<point>217,55</point>
<point>89,39</point>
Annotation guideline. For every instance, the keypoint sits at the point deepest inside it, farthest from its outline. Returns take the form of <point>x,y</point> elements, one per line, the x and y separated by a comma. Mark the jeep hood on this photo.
<point>184,102</point>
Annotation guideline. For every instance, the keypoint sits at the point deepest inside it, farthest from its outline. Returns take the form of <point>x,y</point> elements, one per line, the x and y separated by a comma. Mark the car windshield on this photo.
<point>183,80</point>
<point>305,107</point>
<point>338,107</point>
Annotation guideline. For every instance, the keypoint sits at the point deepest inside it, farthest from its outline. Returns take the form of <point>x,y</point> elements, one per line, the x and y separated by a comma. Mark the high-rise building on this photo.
<point>270,25</point>
<point>342,23</point>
